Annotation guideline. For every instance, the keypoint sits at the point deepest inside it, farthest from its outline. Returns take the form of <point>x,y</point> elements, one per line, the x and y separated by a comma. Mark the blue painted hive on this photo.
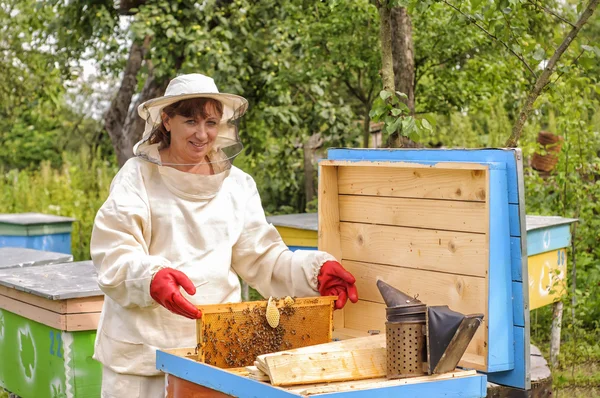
<point>36,231</point>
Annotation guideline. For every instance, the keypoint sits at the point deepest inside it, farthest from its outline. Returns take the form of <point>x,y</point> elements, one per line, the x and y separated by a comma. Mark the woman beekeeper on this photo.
<point>179,215</point>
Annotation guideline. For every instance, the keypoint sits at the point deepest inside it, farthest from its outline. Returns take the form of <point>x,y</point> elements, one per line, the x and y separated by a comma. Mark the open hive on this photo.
<point>233,334</point>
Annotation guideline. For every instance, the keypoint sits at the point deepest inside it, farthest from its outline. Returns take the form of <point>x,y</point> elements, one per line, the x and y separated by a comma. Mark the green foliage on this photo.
<point>77,189</point>
<point>390,109</point>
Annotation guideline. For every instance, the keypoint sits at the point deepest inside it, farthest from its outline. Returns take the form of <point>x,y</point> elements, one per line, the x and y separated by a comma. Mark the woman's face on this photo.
<point>192,139</point>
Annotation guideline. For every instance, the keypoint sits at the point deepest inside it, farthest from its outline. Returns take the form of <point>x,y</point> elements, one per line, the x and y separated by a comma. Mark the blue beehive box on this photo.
<point>36,231</point>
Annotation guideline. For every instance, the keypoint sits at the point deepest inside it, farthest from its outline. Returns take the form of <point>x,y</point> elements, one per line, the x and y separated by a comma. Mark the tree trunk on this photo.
<point>557,313</point>
<point>134,125</point>
<point>366,128</point>
<point>115,117</point>
<point>403,55</point>
<point>314,142</point>
<point>385,36</point>
<point>545,76</point>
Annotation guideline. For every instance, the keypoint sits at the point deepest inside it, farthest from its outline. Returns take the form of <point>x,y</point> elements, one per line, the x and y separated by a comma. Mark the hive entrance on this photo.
<point>233,335</point>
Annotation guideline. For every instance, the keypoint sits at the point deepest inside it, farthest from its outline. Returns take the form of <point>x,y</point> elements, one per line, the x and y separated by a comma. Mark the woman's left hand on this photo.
<point>334,280</point>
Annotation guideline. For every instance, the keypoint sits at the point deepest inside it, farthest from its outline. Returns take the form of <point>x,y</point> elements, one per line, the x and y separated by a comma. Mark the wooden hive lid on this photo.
<point>433,223</point>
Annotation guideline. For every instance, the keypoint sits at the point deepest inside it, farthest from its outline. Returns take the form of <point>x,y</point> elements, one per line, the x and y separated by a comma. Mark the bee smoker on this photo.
<point>405,332</point>
<point>423,340</point>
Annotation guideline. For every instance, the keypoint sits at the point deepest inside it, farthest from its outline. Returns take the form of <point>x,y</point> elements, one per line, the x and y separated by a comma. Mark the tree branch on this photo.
<point>549,11</point>
<point>545,76</point>
<point>574,62</point>
<point>474,22</point>
<point>358,94</point>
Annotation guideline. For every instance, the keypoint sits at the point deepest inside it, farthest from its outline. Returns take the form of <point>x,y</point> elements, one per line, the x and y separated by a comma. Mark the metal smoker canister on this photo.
<point>406,343</point>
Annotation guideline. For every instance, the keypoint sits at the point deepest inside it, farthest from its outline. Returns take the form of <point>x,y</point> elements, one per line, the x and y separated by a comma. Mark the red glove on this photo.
<point>334,280</point>
<point>164,288</point>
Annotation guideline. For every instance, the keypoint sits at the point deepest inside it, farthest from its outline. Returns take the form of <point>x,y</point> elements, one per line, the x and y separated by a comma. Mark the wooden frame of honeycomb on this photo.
<point>233,334</point>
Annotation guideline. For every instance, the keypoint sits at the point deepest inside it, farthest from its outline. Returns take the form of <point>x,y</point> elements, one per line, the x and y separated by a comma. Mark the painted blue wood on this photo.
<point>474,386</point>
<point>217,379</point>
<point>517,377</point>
<point>243,387</point>
<point>515,259</point>
<point>518,303</point>
<point>294,248</point>
<point>59,243</point>
<point>515,225</point>
<point>548,239</point>
<point>499,323</point>
<point>447,155</point>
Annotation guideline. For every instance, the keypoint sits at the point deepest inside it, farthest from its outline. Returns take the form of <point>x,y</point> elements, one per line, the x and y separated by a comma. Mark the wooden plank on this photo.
<point>377,383</point>
<point>453,252</point>
<point>436,165</point>
<point>67,306</point>
<point>411,182</point>
<point>83,321</point>
<point>465,294</point>
<point>329,221</point>
<point>34,313</point>
<point>255,374</point>
<point>58,306</point>
<point>233,307</point>
<point>366,315</point>
<point>262,367</point>
<point>377,341</point>
<point>329,217</point>
<point>417,213</point>
<point>84,304</point>
<point>326,367</point>
<point>346,334</point>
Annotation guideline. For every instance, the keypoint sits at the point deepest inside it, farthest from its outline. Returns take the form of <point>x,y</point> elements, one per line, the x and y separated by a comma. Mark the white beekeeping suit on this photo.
<point>210,227</point>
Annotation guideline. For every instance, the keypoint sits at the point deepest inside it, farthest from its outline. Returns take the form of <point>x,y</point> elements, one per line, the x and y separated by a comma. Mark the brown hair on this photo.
<point>190,108</point>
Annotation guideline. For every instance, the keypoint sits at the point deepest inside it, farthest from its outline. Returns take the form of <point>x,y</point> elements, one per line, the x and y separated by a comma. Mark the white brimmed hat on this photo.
<point>183,87</point>
<point>193,85</point>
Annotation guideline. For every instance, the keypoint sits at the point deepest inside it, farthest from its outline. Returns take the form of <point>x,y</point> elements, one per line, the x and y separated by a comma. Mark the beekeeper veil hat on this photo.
<point>227,145</point>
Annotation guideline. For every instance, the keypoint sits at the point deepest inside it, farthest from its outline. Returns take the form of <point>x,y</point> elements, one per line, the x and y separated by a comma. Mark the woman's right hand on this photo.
<point>164,288</point>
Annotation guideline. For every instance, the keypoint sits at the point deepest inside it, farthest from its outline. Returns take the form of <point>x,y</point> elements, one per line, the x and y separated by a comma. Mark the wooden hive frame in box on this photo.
<point>232,335</point>
<point>423,228</point>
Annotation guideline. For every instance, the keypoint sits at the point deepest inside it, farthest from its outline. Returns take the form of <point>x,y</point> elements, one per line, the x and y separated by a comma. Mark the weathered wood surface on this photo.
<point>54,281</point>
<point>18,257</point>
<point>305,221</point>
<point>32,218</point>
<point>353,359</point>
<point>358,364</point>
